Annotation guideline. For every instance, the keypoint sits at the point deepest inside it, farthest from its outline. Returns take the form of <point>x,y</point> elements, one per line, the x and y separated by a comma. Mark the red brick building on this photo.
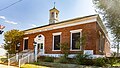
<point>46,39</point>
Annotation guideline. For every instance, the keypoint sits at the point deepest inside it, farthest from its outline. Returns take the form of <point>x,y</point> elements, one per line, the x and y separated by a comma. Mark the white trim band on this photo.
<point>58,33</point>
<point>63,26</point>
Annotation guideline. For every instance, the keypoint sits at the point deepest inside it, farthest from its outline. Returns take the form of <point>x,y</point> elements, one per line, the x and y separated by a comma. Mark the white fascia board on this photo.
<point>77,23</point>
<point>66,25</point>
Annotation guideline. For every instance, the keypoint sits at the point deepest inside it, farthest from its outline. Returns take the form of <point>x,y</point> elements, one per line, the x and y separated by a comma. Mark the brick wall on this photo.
<point>89,30</point>
<point>107,43</point>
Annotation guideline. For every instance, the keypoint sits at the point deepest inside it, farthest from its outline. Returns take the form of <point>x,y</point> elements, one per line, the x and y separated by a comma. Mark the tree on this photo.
<point>12,38</point>
<point>110,10</point>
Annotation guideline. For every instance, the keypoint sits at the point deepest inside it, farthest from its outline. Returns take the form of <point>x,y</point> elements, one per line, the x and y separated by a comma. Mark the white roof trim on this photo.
<point>77,23</point>
<point>103,28</point>
<point>66,25</point>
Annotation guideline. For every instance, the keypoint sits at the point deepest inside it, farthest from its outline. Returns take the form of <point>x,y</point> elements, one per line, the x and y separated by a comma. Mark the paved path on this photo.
<point>5,66</point>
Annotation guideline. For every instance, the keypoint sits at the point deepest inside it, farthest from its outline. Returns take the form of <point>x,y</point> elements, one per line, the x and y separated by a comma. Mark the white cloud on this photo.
<point>2,17</point>
<point>33,25</point>
<point>7,21</point>
<point>10,22</point>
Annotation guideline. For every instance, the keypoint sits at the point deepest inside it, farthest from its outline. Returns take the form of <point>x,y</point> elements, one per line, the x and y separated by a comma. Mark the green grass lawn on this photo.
<point>117,64</point>
<point>2,58</point>
<point>33,66</point>
<point>54,65</point>
<point>58,65</point>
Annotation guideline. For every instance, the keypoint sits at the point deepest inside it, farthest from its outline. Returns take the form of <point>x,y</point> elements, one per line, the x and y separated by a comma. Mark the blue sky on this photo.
<point>31,13</point>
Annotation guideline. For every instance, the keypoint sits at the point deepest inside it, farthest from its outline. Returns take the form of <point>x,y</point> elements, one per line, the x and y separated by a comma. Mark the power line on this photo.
<point>10,5</point>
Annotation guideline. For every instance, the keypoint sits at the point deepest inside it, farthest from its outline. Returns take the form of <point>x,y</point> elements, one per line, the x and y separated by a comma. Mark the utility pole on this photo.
<point>1,29</point>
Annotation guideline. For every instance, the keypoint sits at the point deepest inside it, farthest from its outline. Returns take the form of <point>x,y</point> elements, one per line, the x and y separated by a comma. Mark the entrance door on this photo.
<point>39,39</point>
<point>40,49</point>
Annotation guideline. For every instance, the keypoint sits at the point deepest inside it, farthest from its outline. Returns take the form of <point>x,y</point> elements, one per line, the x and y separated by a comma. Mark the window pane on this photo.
<point>103,43</point>
<point>16,47</point>
<point>52,14</point>
<point>26,44</point>
<point>57,42</point>
<point>41,46</point>
<point>38,46</point>
<point>75,40</point>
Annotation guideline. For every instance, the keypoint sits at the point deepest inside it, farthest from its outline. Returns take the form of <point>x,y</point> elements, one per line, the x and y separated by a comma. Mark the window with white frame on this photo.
<point>101,42</point>
<point>75,39</point>
<point>56,41</point>
<point>25,43</point>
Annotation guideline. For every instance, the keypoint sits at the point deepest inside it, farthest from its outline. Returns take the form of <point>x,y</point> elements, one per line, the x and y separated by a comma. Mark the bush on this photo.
<point>49,59</point>
<point>36,63</point>
<point>63,59</point>
<point>81,58</point>
<point>88,62</point>
<point>112,61</point>
<point>100,62</point>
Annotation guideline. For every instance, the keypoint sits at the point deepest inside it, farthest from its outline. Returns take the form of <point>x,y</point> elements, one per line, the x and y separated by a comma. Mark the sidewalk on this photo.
<point>5,66</point>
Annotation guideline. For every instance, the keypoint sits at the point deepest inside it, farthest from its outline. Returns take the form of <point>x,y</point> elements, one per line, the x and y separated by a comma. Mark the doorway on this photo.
<point>39,39</point>
<point>40,49</point>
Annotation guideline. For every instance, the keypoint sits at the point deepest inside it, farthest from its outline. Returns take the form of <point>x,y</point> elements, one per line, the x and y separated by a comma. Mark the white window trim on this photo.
<point>54,34</point>
<point>75,31</point>
<point>100,34</point>
<point>24,42</point>
<point>58,33</point>
<point>26,38</point>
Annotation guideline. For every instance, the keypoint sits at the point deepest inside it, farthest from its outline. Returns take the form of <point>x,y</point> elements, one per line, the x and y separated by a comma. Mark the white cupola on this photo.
<point>53,15</point>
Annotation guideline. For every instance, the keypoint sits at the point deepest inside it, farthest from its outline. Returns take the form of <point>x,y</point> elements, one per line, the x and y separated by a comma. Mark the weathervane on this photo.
<point>1,29</point>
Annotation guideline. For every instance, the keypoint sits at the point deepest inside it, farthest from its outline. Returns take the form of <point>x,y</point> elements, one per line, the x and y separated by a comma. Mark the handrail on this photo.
<point>22,58</point>
<point>26,59</point>
<point>11,60</point>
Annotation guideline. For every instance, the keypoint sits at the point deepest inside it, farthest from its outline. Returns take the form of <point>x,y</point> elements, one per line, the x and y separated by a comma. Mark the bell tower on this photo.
<point>53,15</point>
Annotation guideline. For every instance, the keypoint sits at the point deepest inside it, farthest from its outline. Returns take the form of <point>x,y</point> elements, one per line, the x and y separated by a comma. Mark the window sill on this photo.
<point>56,50</point>
<point>75,50</point>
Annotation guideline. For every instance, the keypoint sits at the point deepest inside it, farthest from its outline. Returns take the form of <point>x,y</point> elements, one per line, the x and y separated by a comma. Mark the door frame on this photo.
<point>39,40</point>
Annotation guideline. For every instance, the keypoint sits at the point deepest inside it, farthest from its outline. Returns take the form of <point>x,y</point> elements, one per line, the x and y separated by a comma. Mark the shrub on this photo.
<point>36,63</point>
<point>100,62</point>
<point>81,58</point>
<point>88,62</point>
<point>49,59</point>
<point>112,61</point>
<point>63,59</point>
<point>65,52</point>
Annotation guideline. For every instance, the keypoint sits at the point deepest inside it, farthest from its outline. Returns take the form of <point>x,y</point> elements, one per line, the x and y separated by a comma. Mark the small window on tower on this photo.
<point>56,15</point>
<point>52,14</point>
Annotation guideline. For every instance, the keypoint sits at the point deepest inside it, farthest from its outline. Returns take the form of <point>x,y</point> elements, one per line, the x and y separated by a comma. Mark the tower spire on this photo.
<point>54,4</point>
